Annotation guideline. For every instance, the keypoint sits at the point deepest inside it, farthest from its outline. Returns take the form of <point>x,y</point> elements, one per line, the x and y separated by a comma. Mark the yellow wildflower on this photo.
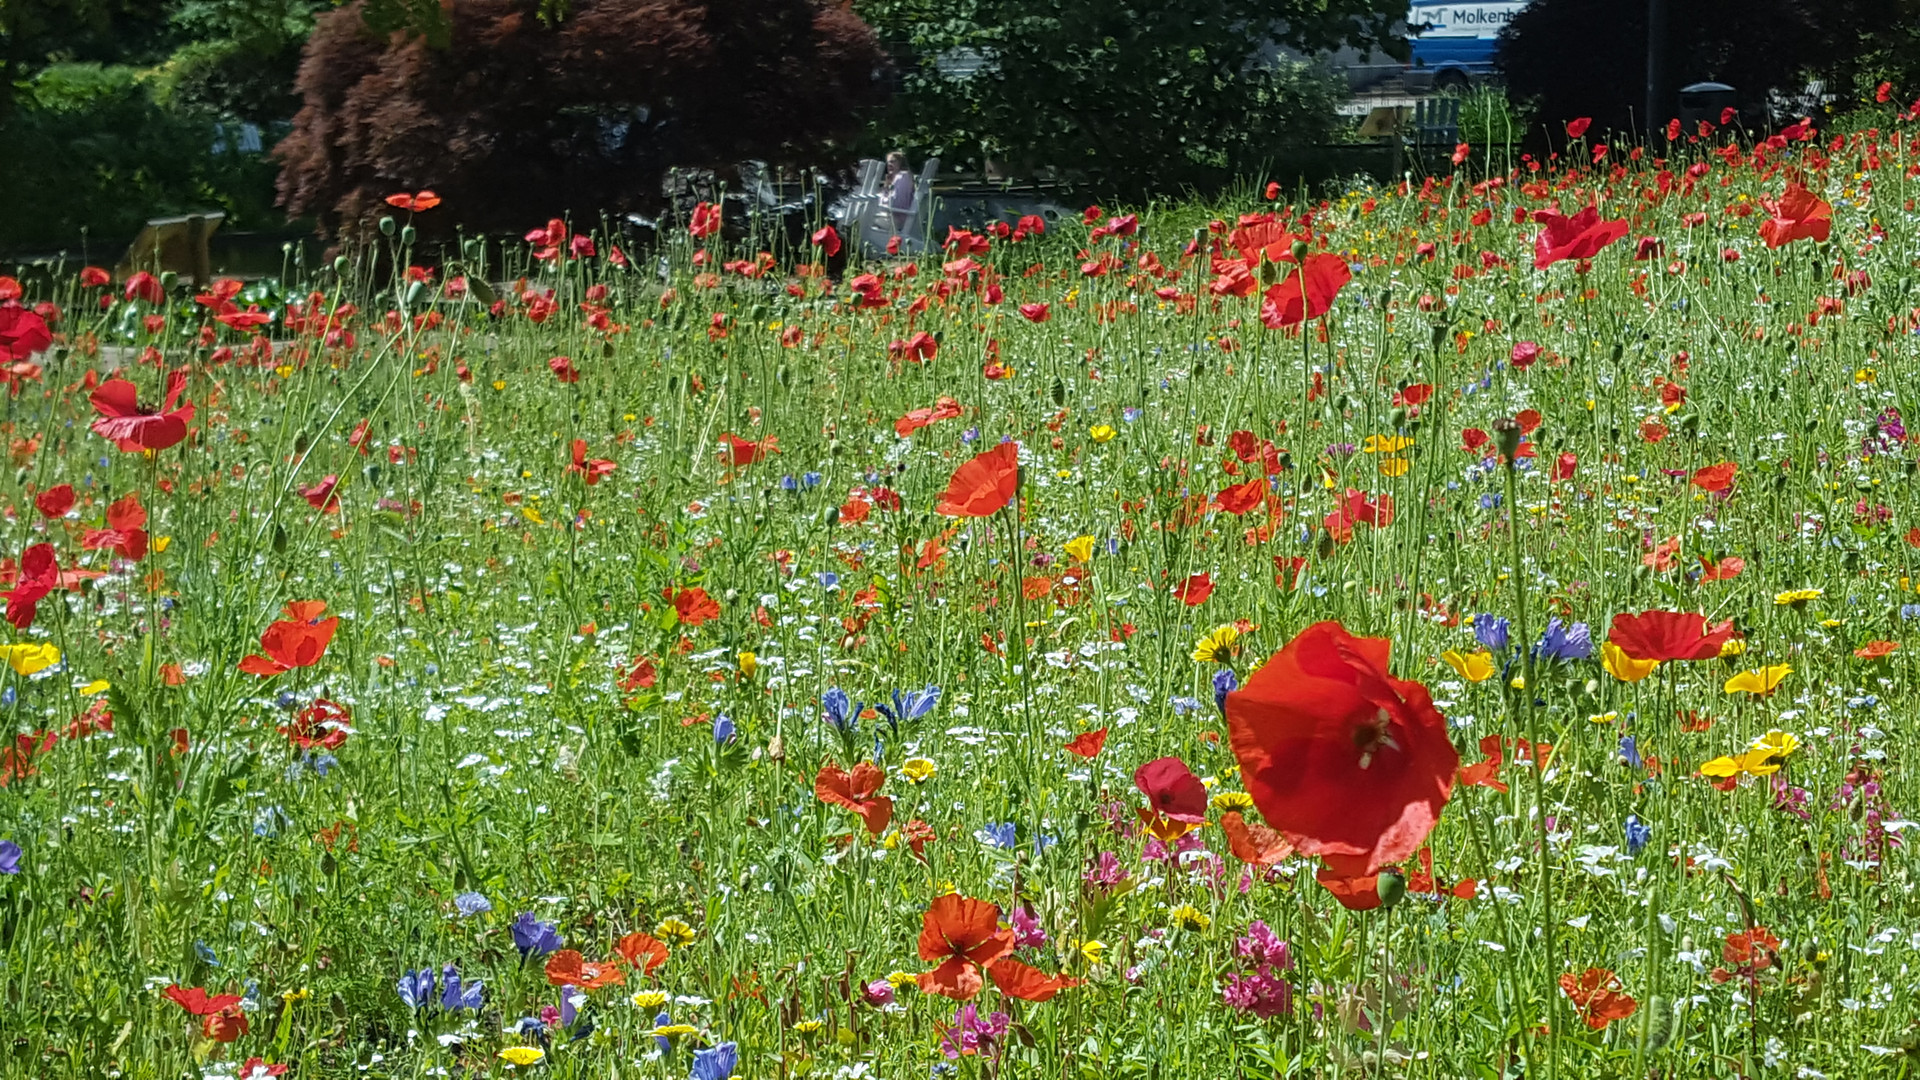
<point>1217,645</point>
<point>918,769</point>
<point>1797,597</point>
<point>1473,666</point>
<point>522,1055</point>
<point>1102,433</point>
<point>1385,444</point>
<point>1090,951</point>
<point>27,659</point>
<point>749,664</point>
<point>1188,917</point>
<point>1079,549</point>
<point>649,999</point>
<point>1759,680</point>
<point>1624,667</point>
<point>1231,800</point>
<point>674,931</point>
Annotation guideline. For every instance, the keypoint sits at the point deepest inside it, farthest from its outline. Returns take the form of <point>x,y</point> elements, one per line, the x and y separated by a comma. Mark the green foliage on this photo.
<point>102,156</point>
<point>1152,94</point>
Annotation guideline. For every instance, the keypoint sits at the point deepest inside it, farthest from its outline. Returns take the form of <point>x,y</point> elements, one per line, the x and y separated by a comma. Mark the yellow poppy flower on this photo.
<point>1102,433</point>
<point>1724,766</point>
<point>1385,444</point>
<point>522,1055</point>
<point>27,659</point>
<point>1768,752</point>
<point>1759,680</point>
<point>1473,667</point>
<point>1624,667</point>
<point>1394,466</point>
<point>749,664</point>
<point>917,769</point>
<point>1079,549</point>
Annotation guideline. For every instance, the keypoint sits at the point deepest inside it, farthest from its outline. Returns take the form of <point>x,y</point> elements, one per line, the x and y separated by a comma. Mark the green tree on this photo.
<point>1135,94</point>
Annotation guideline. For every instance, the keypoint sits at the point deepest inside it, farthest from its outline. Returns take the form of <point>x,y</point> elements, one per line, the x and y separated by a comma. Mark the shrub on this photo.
<point>517,117</point>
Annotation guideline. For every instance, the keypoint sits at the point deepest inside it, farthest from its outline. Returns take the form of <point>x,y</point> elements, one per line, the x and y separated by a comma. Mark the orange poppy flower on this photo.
<point>643,951</point>
<point>299,640</point>
<point>693,605</point>
<point>984,484</point>
<point>1088,744</point>
<point>569,968</point>
<point>1028,983</point>
<point>856,791</point>
<point>1360,893</point>
<point>1874,650</point>
<point>963,934</point>
<point>1594,996</point>
<point>413,204</point>
<point>1253,843</point>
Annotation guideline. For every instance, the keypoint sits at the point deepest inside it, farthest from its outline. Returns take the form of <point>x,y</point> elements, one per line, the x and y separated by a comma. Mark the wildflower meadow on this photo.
<point>1458,628</point>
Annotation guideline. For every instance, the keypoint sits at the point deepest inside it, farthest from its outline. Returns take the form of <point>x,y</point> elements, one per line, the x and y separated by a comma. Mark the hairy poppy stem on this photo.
<point>1530,720</point>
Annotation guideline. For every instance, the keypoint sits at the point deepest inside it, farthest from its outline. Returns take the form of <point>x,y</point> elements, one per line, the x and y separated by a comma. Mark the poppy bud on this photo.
<point>1386,298</point>
<point>1689,424</point>
<point>406,235</point>
<point>20,476</point>
<point>1439,335</point>
<point>388,225</point>
<point>340,265</point>
<point>782,374</point>
<point>1299,250</point>
<point>373,474</point>
<point>300,444</point>
<point>415,291</point>
<point>1398,419</point>
<point>1392,887</point>
<point>168,279</point>
<point>833,516</point>
<point>1060,391</point>
<point>279,539</point>
<point>1619,350</point>
<point>1506,437</point>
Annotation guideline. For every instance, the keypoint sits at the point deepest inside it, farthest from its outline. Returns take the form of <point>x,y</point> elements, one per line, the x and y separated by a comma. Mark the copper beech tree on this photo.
<point>513,112</point>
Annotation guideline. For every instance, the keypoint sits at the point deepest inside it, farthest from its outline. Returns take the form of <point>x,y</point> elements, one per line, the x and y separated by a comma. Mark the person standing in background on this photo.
<point>899,197</point>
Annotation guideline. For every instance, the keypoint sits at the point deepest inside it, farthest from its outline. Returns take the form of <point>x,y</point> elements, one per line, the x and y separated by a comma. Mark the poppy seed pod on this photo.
<point>407,234</point>
<point>1299,250</point>
<point>1506,436</point>
<point>340,265</point>
<point>1392,887</point>
<point>168,279</point>
<point>388,225</point>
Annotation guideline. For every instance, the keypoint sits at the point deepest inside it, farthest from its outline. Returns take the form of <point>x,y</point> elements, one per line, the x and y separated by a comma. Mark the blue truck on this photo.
<point>1454,43</point>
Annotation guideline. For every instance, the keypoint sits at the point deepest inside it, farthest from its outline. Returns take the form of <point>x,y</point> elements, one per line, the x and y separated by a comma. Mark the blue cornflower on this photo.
<point>723,729</point>
<point>912,705</point>
<point>1184,705</point>
<point>1000,836</point>
<point>1042,842</point>
<point>1491,631</point>
<point>1490,501</point>
<point>809,479</point>
<point>716,1063</point>
<point>206,953</point>
<point>1630,753</point>
<point>827,579</point>
<point>472,903</point>
<point>660,1021</point>
<point>9,857</point>
<point>416,988</point>
<point>453,996</point>
<point>969,435</point>
<point>1910,612</point>
<point>1562,641</point>
<point>1637,835</point>
<point>1224,682</point>
<point>533,937</point>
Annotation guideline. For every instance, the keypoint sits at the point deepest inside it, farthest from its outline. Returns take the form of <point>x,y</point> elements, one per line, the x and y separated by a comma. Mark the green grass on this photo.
<point>491,604</point>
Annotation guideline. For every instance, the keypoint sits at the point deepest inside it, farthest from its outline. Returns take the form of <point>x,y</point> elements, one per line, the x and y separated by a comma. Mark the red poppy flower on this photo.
<point>1486,773</point>
<point>1252,842</point>
<point>55,501</point>
<point>197,1002</point>
<point>642,951</point>
<point>414,204</point>
<point>1565,465</point>
<point>324,495</point>
<point>1581,236</point>
<point>693,605</point>
<point>93,277</point>
<point>590,469</point>
<point>1034,313</point>
<point>1195,589</point>
<point>1799,215</point>
<point>132,429</point>
<point>1172,789</point>
<point>963,934</point>
<point>1028,983</point>
<point>22,333</point>
<point>827,240</point>
<point>915,419</point>
<point>1241,498</point>
<point>1307,293</point>
<point>706,221</point>
<point>856,790</point>
<point>323,725</point>
<point>1668,635</point>
<point>1875,650</point>
<point>144,286</point>
<point>1088,744</point>
<point>1594,996</point>
<point>736,451</point>
<point>569,968</point>
<point>1725,570</point>
<point>1578,126</point>
<point>39,574</point>
<point>563,369</point>
<point>1715,477</point>
<point>1358,892</point>
<point>299,640</point>
<point>16,761</point>
<point>983,484</point>
<point>1348,762</point>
